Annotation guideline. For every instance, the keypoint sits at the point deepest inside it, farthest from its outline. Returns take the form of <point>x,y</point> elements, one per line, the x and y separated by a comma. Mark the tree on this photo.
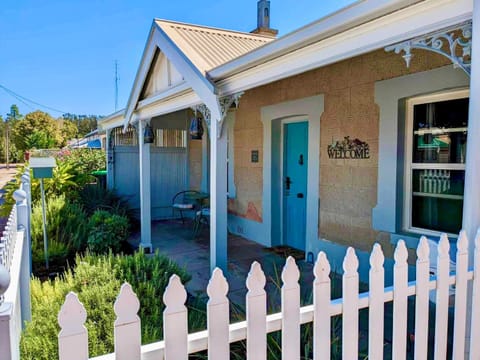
<point>68,130</point>
<point>84,123</point>
<point>35,122</point>
<point>10,152</point>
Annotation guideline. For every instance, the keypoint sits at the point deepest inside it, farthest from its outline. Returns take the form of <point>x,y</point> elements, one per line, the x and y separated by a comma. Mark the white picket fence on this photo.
<point>178,344</point>
<point>15,272</point>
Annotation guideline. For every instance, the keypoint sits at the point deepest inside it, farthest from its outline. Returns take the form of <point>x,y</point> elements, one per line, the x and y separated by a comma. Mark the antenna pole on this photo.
<point>116,85</point>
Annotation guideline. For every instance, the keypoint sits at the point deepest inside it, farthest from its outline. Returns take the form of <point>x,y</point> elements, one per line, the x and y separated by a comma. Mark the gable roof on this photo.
<point>209,47</point>
<point>194,50</point>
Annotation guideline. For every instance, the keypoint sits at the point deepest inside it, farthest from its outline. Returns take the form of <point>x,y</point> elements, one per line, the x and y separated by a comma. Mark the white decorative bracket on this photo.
<point>224,105</point>
<point>455,43</point>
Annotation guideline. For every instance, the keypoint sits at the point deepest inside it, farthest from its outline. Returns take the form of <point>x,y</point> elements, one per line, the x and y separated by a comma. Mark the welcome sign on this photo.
<point>348,149</point>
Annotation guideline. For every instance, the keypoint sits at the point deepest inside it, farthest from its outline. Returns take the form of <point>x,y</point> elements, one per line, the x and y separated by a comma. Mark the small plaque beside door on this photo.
<point>254,156</point>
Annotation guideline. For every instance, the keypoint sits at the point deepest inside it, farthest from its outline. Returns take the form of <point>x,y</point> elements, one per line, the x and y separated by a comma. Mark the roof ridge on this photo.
<point>215,29</point>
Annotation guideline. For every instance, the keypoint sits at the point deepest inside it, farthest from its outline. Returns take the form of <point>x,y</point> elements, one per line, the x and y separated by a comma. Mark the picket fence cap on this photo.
<point>19,195</point>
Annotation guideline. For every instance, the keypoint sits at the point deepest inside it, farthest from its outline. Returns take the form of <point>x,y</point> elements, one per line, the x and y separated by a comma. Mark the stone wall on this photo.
<point>195,163</point>
<point>348,188</point>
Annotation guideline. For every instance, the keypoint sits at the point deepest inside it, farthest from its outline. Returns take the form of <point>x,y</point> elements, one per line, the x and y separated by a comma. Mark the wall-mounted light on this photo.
<point>148,135</point>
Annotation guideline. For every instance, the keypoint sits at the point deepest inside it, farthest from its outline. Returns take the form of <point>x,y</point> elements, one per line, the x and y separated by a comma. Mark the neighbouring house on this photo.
<point>93,140</point>
<point>356,128</point>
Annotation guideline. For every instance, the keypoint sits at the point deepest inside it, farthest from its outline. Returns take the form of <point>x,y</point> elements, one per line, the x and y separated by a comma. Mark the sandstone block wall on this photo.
<point>348,188</point>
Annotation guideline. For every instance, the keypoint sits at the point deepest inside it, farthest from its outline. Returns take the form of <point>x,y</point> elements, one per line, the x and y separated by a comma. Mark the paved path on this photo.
<point>178,243</point>
<point>5,176</point>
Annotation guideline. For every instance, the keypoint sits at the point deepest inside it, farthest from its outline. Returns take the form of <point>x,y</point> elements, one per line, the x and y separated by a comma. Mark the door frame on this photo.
<point>307,109</point>
<point>283,122</point>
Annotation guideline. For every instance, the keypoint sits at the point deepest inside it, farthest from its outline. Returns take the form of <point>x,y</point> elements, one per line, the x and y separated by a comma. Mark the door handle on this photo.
<point>288,182</point>
<point>300,195</point>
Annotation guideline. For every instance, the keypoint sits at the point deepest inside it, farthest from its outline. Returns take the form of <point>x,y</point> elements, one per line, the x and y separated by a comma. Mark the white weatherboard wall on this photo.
<point>311,109</point>
<point>386,216</point>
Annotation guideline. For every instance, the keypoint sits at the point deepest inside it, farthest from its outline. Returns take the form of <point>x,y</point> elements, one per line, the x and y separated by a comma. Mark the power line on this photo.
<point>25,100</point>
<point>19,99</point>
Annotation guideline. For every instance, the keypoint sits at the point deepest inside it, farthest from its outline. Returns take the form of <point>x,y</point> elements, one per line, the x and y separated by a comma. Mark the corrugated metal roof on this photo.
<point>208,47</point>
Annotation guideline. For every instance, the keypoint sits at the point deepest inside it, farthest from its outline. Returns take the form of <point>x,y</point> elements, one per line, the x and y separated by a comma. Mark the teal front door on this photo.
<point>295,162</point>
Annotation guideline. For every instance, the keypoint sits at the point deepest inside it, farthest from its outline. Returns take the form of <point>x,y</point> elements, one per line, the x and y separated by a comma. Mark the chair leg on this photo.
<point>196,226</point>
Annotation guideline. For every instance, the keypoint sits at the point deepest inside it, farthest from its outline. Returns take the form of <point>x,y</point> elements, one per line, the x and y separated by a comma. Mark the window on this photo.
<point>170,138</point>
<point>127,138</point>
<point>436,136</point>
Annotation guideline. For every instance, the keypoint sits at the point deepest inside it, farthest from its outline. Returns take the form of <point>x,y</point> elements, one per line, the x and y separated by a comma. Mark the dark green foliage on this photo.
<point>94,197</point>
<point>107,232</point>
<point>97,281</point>
<point>84,123</point>
<point>149,276</point>
<point>67,231</point>
<point>96,288</point>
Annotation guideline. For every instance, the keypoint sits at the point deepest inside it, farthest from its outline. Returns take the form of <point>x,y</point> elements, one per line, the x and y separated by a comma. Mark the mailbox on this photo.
<point>42,167</point>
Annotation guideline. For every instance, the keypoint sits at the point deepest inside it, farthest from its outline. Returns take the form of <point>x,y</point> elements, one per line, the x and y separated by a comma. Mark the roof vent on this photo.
<point>263,20</point>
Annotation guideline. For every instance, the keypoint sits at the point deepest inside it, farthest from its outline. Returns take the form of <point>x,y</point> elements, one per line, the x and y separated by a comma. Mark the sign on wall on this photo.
<point>348,149</point>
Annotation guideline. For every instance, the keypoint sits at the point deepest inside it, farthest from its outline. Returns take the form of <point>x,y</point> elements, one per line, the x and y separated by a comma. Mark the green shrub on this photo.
<point>67,231</point>
<point>66,223</point>
<point>96,288</point>
<point>93,197</point>
<point>107,232</point>
<point>84,162</point>
<point>149,276</point>
<point>97,281</point>
<point>62,182</point>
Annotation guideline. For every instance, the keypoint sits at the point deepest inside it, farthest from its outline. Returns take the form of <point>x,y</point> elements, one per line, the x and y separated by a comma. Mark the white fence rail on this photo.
<point>177,343</point>
<point>15,273</point>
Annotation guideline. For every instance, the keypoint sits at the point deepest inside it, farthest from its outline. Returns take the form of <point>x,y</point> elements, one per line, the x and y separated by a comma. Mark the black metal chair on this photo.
<point>185,201</point>
<point>202,217</point>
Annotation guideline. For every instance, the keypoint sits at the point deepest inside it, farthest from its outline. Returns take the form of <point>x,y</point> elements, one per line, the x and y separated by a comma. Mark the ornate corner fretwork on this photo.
<point>455,43</point>
<point>224,103</point>
<point>227,102</point>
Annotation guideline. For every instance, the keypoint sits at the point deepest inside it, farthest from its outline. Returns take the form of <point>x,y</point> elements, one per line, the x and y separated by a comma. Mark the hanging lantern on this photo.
<point>148,135</point>
<point>196,128</point>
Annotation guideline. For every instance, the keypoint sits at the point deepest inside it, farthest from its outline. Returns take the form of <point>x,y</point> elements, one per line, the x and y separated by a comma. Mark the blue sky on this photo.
<point>61,53</point>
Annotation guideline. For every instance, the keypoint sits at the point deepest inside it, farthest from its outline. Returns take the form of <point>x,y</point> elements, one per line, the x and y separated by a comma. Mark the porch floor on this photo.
<point>177,241</point>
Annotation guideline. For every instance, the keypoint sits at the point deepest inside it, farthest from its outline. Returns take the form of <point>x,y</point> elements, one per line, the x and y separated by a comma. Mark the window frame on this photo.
<point>408,155</point>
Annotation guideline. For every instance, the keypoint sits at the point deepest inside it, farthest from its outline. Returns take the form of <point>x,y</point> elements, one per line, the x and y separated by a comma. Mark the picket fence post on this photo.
<point>256,304</point>
<point>73,336</point>
<point>461,283</point>
<point>127,329</point>
<point>321,312</point>
<point>400,302</point>
<point>422,300</point>
<point>350,306</point>
<point>376,304</point>
<point>175,326</point>
<point>441,315</point>
<point>475,315</point>
<point>218,317</point>
<point>290,311</point>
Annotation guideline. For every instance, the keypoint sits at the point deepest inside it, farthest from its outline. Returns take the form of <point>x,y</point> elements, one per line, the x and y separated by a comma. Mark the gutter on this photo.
<point>337,22</point>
